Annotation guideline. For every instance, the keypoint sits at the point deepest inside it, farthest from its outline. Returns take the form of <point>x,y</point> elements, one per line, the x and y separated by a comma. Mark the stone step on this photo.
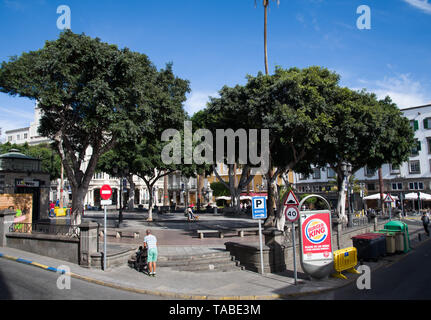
<point>226,266</point>
<point>221,254</point>
<point>187,262</point>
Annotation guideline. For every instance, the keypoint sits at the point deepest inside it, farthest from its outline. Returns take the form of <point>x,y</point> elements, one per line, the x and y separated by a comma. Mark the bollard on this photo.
<point>419,237</point>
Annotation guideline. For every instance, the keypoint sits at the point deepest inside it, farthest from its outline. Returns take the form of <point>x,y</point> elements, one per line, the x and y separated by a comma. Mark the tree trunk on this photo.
<point>341,205</point>
<point>165,191</point>
<point>131,201</point>
<point>78,195</point>
<point>150,202</point>
<point>265,37</point>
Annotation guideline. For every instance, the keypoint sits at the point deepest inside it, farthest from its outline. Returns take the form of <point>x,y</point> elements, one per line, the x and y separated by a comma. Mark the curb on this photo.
<point>174,295</point>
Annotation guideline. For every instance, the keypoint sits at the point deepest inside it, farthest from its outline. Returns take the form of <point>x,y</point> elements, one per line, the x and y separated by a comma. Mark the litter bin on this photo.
<point>400,227</point>
<point>370,246</point>
<point>390,241</point>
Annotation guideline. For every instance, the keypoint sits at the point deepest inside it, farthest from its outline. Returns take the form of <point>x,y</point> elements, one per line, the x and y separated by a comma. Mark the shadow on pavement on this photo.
<point>5,293</point>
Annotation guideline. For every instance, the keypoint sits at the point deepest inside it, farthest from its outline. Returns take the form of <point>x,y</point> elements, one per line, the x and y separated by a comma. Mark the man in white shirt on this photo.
<point>150,242</point>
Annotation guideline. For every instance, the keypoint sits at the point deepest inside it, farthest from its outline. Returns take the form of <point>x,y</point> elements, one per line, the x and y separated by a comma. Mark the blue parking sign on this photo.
<point>259,207</point>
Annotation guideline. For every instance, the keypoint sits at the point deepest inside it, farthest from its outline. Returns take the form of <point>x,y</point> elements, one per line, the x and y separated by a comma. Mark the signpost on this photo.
<point>315,227</point>
<point>291,212</point>
<point>105,194</point>
<point>389,200</point>
<point>259,212</point>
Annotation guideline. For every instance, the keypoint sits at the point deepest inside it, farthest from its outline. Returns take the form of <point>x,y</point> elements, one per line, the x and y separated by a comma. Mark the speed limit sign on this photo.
<point>291,213</point>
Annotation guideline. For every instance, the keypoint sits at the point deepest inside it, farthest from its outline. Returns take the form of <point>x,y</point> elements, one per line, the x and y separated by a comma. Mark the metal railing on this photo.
<point>45,228</point>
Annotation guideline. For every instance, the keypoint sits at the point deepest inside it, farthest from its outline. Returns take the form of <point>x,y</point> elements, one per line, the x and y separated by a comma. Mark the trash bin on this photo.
<point>390,241</point>
<point>370,246</point>
<point>400,227</point>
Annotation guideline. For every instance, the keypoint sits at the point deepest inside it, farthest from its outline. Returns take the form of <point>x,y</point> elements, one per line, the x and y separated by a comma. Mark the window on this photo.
<point>371,187</point>
<point>427,123</point>
<point>397,186</point>
<point>302,176</point>
<point>331,173</point>
<point>416,148</point>
<point>414,124</point>
<point>25,135</point>
<point>395,169</point>
<point>9,138</point>
<point>17,137</point>
<point>416,186</point>
<point>316,173</point>
<point>415,166</point>
<point>369,172</point>
<point>98,176</point>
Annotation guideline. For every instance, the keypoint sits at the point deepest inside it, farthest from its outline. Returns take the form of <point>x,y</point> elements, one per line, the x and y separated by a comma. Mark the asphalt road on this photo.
<point>22,282</point>
<point>407,279</point>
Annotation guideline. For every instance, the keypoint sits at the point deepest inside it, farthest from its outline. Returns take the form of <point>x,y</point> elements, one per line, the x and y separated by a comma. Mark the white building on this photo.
<point>412,176</point>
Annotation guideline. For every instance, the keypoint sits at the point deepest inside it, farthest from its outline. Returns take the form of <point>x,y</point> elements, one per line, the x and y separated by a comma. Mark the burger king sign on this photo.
<point>316,237</point>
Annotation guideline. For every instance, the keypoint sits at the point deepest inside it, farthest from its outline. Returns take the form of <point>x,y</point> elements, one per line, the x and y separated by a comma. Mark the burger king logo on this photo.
<point>316,231</point>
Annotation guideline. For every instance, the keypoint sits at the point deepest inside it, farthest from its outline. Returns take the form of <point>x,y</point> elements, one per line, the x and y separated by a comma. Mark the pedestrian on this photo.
<point>426,221</point>
<point>150,243</point>
<point>190,216</point>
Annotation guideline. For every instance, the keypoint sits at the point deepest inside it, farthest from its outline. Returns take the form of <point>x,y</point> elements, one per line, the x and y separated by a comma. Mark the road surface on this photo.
<point>23,282</point>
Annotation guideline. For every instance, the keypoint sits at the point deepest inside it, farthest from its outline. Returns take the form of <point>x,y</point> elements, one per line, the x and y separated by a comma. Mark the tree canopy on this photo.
<point>92,96</point>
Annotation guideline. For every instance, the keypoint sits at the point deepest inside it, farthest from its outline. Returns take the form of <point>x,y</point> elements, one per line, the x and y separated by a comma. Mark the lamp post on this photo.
<point>121,173</point>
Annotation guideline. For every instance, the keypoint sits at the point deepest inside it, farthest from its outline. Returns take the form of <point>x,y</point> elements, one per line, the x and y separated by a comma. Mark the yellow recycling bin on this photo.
<point>345,260</point>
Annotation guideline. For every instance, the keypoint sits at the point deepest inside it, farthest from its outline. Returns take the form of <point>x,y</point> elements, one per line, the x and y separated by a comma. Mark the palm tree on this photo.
<point>266,5</point>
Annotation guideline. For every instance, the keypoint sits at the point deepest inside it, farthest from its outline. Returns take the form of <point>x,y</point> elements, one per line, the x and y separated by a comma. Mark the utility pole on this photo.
<point>382,204</point>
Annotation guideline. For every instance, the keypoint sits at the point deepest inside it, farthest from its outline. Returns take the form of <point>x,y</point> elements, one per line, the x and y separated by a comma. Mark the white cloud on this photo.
<point>402,89</point>
<point>198,100</point>
<point>423,5</point>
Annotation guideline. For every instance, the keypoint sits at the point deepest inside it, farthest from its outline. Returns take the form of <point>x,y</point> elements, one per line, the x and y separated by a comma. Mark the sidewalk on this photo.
<point>206,285</point>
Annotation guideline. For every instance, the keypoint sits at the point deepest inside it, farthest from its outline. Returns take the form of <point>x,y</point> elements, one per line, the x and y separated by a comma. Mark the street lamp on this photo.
<point>122,173</point>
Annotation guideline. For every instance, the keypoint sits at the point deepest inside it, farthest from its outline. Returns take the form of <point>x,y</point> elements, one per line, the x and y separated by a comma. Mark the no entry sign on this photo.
<point>105,192</point>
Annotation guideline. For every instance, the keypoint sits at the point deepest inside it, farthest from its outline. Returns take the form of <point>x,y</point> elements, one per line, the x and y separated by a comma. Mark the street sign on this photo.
<point>106,202</point>
<point>105,192</point>
<point>291,214</point>
<point>388,199</point>
<point>259,207</point>
<point>291,199</point>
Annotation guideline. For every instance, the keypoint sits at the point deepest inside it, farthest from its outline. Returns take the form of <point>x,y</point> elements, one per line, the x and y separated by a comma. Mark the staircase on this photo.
<point>208,262</point>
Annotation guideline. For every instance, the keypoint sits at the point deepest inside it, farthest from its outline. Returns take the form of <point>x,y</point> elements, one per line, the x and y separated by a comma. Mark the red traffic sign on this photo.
<point>388,198</point>
<point>291,200</point>
<point>105,192</point>
<point>291,213</point>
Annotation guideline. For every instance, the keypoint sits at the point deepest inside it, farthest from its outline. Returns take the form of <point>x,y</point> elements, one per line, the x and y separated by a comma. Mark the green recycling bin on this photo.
<point>400,227</point>
<point>390,241</point>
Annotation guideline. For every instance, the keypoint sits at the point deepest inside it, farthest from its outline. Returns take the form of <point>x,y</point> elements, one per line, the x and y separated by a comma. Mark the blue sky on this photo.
<point>218,42</point>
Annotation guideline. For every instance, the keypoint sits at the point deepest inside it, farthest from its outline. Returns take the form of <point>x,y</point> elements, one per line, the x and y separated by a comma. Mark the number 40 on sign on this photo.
<point>291,213</point>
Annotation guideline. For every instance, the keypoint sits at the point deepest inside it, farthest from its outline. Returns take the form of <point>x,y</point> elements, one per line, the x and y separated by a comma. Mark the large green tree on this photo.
<point>141,155</point>
<point>363,131</point>
<point>292,105</point>
<point>91,94</point>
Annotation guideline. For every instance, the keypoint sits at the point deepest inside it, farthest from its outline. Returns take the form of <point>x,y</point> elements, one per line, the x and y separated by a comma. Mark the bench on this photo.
<point>222,233</point>
<point>121,234</point>
<point>242,230</point>
<point>202,232</point>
